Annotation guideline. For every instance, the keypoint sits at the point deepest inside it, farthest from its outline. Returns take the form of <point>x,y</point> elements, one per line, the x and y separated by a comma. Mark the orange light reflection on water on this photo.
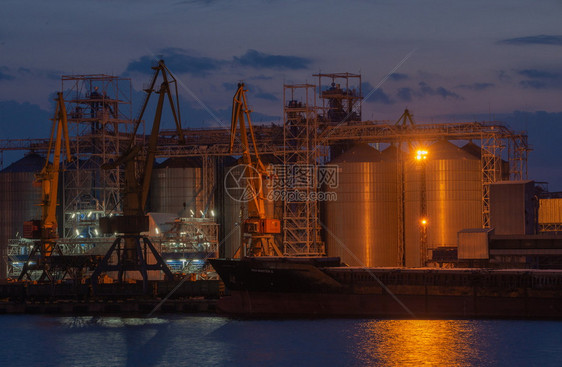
<point>417,342</point>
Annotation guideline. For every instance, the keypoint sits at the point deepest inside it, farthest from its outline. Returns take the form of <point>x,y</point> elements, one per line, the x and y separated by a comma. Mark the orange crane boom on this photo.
<point>258,230</point>
<point>48,179</point>
<point>49,175</point>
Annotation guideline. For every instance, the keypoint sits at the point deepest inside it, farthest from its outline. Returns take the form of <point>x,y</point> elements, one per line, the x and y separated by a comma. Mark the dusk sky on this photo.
<point>461,61</point>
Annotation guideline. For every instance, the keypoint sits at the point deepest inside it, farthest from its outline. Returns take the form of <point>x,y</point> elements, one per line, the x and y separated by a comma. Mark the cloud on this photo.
<point>535,84</point>
<point>398,76</point>
<point>230,86</point>
<point>261,77</point>
<point>366,87</point>
<point>178,61</point>
<point>408,94</point>
<point>39,73</point>
<point>538,74</point>
<point>379,96</point>
<point>540,79</point>
<point>266,96</point>
<point>374,96</point>
<point>4,75</point>
<point>427,90</point>
<point>542,39</point>
<point>477,86</point>
<point>504,76</point>
<point>181,61</point>
<point>253,91</point>
<point>9,74</point>
<point>259,60</point>
<point>405,94</point>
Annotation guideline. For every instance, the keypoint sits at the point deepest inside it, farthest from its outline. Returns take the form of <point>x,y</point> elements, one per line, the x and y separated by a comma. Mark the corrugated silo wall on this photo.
<point>18,204</point>
<point>177,189</point>
<point>363,221</point>
<point>230,212</point>
<point>453,199</point>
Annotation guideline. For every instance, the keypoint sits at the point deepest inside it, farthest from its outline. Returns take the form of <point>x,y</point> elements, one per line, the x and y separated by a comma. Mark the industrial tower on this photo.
<point>99,118</point>
<point>299,173</point>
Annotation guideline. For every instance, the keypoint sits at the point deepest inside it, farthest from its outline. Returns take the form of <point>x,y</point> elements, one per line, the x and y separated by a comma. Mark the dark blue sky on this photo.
<point>470,60</point>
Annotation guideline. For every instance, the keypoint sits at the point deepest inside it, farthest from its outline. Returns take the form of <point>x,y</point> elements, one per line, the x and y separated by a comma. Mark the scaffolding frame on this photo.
<point>301,229</point>
<point>491,165</point>
<point>99,116</point>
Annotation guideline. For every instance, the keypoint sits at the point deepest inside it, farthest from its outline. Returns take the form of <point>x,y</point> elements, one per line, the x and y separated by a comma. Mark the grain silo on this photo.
<point>177,187</point>
<point>447,185</point>
<point>20,200</point>
<point>363,220</point>
<point>229,214</point>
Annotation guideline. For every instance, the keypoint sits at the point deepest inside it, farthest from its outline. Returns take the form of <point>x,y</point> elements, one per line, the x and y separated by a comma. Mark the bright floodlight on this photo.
<point>421,155</point>
<point>423,221</point>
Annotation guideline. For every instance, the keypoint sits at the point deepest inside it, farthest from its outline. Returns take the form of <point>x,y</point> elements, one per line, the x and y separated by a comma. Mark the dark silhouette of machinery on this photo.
<point>131,248</point>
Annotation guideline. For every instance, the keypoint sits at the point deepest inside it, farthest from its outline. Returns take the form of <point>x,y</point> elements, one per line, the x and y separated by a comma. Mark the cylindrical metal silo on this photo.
<point>362,221</point>
<point>231,210</point>
<point>176,187</point>
<point>20,200</point>
<point>453,198</point>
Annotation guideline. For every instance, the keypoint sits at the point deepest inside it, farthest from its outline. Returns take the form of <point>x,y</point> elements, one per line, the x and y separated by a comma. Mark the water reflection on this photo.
<point>418,342</point>
<point>124,341</point>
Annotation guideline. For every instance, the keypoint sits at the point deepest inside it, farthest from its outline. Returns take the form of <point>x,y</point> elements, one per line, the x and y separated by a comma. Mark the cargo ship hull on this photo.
<point>280,288</point>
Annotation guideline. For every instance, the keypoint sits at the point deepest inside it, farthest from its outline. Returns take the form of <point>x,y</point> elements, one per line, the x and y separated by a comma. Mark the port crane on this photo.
<point>133,250</point>
<point>258,231</point>
<point>48,178</point>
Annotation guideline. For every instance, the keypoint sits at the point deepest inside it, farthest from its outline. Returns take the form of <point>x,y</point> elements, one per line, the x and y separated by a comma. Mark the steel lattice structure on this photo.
<point>99,116</point>
<point>301,234</point>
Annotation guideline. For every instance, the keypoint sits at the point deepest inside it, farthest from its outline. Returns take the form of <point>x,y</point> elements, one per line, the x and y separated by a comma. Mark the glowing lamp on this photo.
<point>421,155</point>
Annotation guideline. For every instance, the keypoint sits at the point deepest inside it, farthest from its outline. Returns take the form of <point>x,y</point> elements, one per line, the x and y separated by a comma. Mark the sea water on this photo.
<point>217,341</point>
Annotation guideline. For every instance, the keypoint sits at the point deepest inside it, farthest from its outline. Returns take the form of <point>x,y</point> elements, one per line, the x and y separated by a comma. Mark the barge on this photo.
<point>321,287</point>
